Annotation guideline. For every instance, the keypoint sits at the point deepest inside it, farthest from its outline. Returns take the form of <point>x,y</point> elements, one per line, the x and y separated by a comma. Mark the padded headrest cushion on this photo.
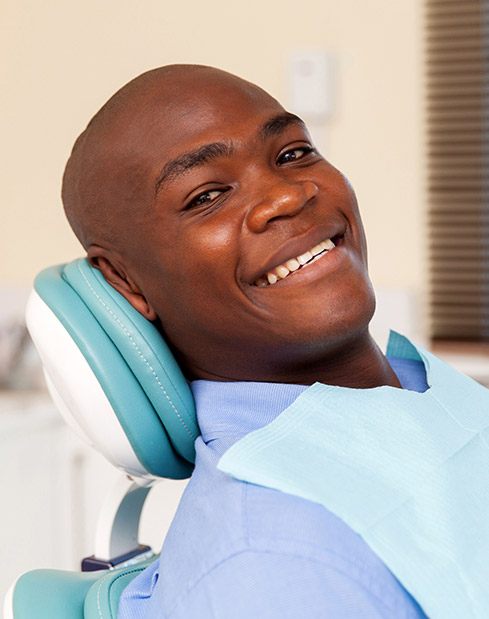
<point>136,369</point>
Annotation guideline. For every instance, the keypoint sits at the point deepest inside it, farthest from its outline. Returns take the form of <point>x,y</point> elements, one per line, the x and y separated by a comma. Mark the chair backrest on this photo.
<point>116,382</point>
<point>111,373</point>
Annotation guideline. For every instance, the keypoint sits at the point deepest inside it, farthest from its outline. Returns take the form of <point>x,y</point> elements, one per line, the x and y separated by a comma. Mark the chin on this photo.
<point>338,319</point>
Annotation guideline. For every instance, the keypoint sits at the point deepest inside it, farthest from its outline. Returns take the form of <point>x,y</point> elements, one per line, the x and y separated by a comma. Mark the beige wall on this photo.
<point>62,59</point>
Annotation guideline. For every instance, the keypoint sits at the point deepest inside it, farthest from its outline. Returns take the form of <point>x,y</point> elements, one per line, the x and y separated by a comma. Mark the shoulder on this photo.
<point>219,515</point>
<point>282,585</point>
<point>227,532</point>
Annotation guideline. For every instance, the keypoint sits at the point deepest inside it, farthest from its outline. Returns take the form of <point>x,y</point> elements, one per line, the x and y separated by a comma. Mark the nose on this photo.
<point>283,199</point>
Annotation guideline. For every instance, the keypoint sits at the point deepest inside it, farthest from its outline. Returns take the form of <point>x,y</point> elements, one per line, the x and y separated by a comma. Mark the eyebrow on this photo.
<point>192,159</point>
<point>278,123</point>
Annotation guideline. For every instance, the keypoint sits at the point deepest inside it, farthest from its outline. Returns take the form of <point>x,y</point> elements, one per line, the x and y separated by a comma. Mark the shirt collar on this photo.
<point>236,408</point>
<point>400,347</point>
<point>227,411</point>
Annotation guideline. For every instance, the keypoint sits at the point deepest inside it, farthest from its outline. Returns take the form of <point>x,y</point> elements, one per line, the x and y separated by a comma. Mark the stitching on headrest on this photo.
<point>140,354</point>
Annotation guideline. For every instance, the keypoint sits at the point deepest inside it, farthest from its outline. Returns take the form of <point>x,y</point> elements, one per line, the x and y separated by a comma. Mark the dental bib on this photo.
<point>407,471</point>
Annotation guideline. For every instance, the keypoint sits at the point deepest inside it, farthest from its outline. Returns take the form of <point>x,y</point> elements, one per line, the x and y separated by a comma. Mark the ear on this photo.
<point>116,275</point>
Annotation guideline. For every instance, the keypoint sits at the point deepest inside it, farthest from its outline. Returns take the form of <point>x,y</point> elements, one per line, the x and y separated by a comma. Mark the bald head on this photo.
<point>107,190</point>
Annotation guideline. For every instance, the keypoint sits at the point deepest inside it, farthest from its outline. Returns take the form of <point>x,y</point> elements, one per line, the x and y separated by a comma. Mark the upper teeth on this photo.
<point>282,270</point>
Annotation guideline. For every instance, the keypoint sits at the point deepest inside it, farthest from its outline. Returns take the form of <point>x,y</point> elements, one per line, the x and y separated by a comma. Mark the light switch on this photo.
<point>311,84</point>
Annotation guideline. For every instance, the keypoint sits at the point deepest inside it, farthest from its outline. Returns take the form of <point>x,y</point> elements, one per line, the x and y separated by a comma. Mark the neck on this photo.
<point>358,363</point>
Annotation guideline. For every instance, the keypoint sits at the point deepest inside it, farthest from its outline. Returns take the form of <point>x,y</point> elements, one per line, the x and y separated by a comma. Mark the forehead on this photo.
<point>179,113</point>
<point>182,117</point>
<point>229,111</point>
<point>146,129</point>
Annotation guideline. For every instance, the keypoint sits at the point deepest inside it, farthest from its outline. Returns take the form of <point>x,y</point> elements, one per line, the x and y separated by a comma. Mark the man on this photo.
<point>205,204</point>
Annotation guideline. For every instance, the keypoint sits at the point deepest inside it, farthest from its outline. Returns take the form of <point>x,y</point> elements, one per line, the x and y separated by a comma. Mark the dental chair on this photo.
<point>115,381</point>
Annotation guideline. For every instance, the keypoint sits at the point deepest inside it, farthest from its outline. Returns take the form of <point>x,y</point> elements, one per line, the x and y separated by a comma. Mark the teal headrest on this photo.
<point>130,359</point>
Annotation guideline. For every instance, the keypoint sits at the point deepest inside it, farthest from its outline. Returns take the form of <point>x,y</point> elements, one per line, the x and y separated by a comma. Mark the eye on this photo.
<point>294,154</point>
<point>206,197</point>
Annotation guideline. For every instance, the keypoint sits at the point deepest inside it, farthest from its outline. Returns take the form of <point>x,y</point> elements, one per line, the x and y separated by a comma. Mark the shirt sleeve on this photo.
<point>275,585</point>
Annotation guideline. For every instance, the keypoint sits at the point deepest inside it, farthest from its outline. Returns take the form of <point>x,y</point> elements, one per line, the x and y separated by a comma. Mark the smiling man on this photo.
<point>206,205</point>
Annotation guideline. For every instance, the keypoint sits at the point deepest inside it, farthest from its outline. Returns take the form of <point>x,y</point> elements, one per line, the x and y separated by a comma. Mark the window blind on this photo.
<point>457,90</point>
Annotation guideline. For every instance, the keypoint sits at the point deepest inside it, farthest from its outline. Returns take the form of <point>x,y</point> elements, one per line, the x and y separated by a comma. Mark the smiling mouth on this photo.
<point>294,265</point>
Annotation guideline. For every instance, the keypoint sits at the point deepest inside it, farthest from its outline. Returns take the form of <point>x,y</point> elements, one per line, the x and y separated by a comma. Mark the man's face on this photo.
<point>240,192</point>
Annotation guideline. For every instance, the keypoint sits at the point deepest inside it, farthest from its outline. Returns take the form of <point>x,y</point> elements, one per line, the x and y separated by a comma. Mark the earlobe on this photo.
<point>116,276</point>
<point>143,307</point>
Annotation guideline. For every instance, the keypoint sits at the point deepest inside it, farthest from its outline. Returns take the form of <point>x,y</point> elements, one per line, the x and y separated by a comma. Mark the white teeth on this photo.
<point>281,271</point>
<point>292,265</point>
<point>317,249</point>
<point>304,258</point>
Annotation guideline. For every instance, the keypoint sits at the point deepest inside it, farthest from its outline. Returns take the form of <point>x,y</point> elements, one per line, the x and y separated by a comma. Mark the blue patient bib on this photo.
<point>408,471</point>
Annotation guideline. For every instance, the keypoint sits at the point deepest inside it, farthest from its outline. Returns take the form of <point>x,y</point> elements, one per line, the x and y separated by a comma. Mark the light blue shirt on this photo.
<point>236,550</point>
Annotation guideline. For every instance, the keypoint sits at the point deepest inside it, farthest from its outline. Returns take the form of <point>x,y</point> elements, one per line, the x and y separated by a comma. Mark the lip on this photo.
<point>297,246</point>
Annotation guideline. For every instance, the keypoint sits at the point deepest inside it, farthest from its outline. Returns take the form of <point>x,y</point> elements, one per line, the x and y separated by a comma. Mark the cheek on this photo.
<point>201,269</point>
<point>350,208</point>
<point>210,257</point>
<point>215,238</point>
